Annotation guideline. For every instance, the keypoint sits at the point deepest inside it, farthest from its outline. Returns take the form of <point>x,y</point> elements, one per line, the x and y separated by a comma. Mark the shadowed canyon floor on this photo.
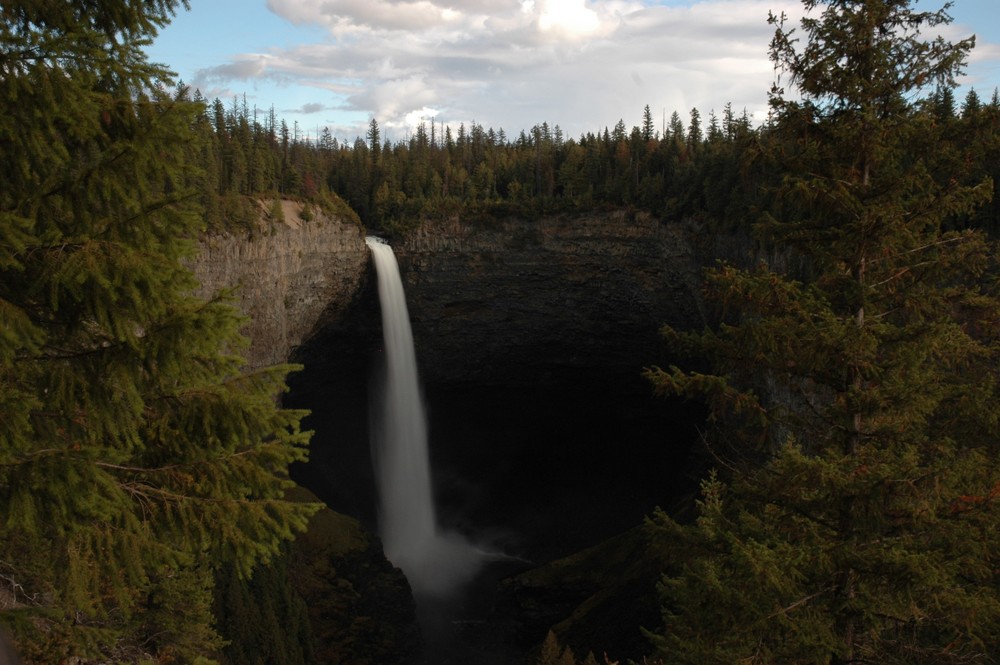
<point>536,472</point>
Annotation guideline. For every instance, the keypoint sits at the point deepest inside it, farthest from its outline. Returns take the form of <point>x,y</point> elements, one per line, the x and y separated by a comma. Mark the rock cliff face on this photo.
<point>287,279</point>
<point>489,300</point>
<point>511,300</point>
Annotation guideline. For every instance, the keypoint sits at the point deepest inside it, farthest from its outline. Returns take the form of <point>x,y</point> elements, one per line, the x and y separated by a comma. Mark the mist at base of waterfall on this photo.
<point>438,564</point>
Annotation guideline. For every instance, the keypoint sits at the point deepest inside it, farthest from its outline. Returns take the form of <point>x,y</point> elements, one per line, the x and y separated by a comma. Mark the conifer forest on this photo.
<point>848,508</point>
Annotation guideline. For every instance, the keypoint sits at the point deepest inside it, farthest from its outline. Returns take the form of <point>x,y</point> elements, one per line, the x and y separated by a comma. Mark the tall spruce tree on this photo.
<point>854,517</point>
<point>135,453</point>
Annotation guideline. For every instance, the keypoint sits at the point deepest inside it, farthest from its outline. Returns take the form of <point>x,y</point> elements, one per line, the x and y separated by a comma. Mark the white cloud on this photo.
<point>510,64</point>
<point>417,116</point>
<point>344,18</point>
<point>246,67</point>
<point>568,18</point>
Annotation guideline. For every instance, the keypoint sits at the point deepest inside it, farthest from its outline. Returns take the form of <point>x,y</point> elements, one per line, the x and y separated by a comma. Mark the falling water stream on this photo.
<point>435,561</point>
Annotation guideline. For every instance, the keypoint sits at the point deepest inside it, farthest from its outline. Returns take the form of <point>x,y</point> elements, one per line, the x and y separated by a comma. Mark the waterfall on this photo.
<point>435,562</point>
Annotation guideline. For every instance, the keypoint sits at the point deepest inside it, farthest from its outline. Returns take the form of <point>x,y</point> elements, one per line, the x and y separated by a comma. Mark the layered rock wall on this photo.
<point>484,296</point>
<point>574,291</point>
<point>287,279</point>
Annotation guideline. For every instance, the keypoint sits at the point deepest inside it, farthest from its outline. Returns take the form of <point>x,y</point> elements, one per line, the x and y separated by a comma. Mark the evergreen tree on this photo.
<point>135,453</point>
<point>676,127</point>
<point>648,128</point>
<point>550,651</point>
<point>374,140</point>
<point>857,524</point>
<point>694,133</point>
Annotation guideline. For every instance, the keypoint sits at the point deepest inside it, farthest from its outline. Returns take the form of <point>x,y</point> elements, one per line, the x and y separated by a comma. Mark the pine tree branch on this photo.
<point>16,587</point>
<point>174,467</point>
<point>833,528</point>
<point>802,601</point>
<point>712,452</point>
<point>921,248</point>
<point>150,493</point>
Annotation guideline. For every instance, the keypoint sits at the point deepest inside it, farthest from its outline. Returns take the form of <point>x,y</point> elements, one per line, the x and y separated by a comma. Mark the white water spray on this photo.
<point>435,562</point>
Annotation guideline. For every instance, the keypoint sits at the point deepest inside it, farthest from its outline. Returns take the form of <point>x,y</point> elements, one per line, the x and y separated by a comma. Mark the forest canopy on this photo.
<point>690,165</point>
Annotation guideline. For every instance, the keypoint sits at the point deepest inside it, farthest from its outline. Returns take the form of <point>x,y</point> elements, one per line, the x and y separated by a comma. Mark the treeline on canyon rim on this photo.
<point>710,168</point>
<point>852,514</point>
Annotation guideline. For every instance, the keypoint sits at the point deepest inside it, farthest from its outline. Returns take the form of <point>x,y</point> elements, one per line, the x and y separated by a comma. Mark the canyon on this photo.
<point>531,336</point>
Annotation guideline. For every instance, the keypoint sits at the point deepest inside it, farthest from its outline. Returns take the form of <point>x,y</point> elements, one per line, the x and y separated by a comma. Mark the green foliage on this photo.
<point>857,522</point>
<point>390,188</point>
<point>361,608</point>
<point>262,618</point>
<point>551,653</point>
<point>135,453</point>
<point>277,213</point>
<point>712,174</point>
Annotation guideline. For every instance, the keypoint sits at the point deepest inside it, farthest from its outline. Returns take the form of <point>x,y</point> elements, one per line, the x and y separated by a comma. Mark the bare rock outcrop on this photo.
<point>287,278</point>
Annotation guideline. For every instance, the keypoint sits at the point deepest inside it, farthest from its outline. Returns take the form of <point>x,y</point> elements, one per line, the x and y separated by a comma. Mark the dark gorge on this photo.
<point>545,439</point>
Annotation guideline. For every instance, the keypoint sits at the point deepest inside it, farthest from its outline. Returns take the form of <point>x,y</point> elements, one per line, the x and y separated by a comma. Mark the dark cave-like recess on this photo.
<point>545,466</point>
<point>543,457</point>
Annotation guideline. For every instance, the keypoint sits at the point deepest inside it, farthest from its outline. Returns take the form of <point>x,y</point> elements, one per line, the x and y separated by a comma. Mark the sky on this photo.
<point>504,64</point>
